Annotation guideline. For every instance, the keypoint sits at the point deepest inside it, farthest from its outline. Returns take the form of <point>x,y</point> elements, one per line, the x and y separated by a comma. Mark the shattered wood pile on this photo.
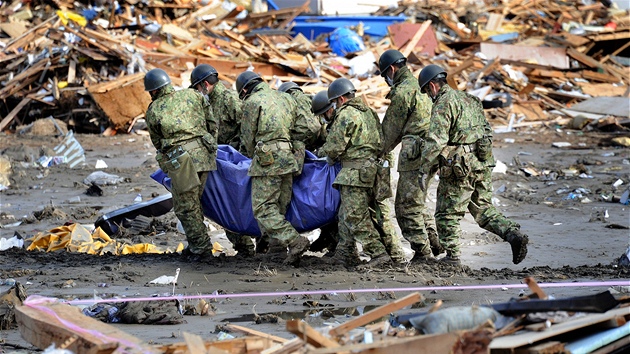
<point>529,60</point>
<point>531,324</point>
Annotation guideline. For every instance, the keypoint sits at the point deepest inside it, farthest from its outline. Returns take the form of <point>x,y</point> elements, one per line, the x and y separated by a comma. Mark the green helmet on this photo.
<point>388,58</point>
<point>320,103</point>
<point>155,79</point>
<point>340,87</point>
<point>203,72</point>
<point>245,79</point>
<point>287,86</point>
<point>428,73</point>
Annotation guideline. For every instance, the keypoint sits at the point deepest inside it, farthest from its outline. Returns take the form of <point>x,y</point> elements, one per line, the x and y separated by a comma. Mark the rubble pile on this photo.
<point>529,60</point>
<point>534,323</point>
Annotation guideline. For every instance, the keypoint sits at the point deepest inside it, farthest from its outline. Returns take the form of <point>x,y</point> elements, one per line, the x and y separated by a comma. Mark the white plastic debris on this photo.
<point>100,164</point>
<point>500,167</point>
<point>14,241</point>
<point>101,178</point>
<point>561,144</point>
<point>617,183</point>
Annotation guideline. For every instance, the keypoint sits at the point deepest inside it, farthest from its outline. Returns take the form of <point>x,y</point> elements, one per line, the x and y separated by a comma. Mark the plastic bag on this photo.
<point>345,41</point>
<point>227,199</point>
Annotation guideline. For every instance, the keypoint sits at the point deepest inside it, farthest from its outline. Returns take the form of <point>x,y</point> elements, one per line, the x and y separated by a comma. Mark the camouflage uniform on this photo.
<point>457,123</point>
<point>408,116</point>
<point>354,138</point>
<point>182,118</point>
<point>306,127</point>
<point>265,137</point>
<point>226,105</point>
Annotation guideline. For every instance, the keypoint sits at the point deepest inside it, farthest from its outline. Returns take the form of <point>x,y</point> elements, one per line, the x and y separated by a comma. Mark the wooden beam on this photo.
<point>375,314</point>
<point>9,118</point>
<point>252,332</point>
<point>310,335</point>
<point>533,286</point>
<point>285,348</point>
<point>416,37</point>
<point>195,344</point>
<point>46,323</point>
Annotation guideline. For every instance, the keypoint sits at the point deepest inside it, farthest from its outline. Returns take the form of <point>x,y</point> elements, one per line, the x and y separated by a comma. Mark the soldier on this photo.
<point>407,121</point>
<point>183,130</point>
<point>225,105</point>
<point>265,137</point>
<point>354,139</point>
<point>460,139</point>
<point>306,128</point>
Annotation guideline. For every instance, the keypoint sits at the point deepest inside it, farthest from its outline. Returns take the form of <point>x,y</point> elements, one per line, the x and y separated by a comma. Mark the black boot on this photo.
<point>518,241</point>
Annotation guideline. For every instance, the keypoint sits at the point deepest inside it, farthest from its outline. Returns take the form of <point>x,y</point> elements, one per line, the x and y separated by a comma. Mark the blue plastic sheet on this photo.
<point>344,41</point>
<point>227,196</point>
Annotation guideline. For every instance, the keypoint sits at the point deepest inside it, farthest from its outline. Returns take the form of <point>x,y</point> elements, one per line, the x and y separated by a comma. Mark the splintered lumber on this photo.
<point>533,286</point>
<point>195,343</point>
<point>427,344</point>
<point>375,314</point>
<point>527,338</point>
<point>556,57</point>
<point>252,332</point>
<point>285,348</point>
<point>121,100</point>
<point>50,323</point>
<point>244,345</point>
<point>9,118</point>
<point>310,335</point>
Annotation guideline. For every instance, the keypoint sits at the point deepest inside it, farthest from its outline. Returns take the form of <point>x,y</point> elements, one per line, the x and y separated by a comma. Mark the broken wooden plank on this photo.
<point>411,45</point>
<point>427,344</point>
<point>556,57</point>
<point>375,314</point>
<point>310,335</point>
<point>9,118</point>
<point>285,348</point>
<point>121,100</point>
<point>252,332</point>
<point>195,343</point>
<point>43,323</point>
<point>527,338</point>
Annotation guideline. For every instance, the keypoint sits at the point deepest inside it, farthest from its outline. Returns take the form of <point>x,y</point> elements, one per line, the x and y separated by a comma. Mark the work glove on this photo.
<point>423,181</point>
<point>330,161</point>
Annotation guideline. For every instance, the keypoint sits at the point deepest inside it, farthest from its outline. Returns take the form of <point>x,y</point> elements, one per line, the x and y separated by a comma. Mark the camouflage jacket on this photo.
<point>267,121</point>
<point>354,137</point>
<point>409,113</point>
<point>306,127</point>
<point>226,106</point>
<point>178,117</point>
<point>457,118</point>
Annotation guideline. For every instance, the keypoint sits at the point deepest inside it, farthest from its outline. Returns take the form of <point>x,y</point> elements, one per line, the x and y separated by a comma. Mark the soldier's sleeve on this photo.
<point>394,122</point>
<point>234,107</point>
<point>424,106</point>
<point>249,128</point>
<point>337,139</point>
<point>154,130</point>
<point>442,115</point>
<point>212,121</point>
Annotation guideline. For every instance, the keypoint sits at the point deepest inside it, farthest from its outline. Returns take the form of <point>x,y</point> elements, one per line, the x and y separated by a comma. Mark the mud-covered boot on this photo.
<point>436,246</point>
<point>451,260</point>
<point>518,241</point>
<point>423,254</point>
<point>297,247</point>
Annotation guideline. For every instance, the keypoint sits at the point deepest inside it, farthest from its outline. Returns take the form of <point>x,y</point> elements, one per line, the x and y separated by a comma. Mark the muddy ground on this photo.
<point>571,239</point>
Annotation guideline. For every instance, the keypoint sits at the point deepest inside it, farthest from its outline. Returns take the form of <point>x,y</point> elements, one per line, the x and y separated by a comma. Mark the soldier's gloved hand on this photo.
<point>330,161</point>
<point>423,181</point>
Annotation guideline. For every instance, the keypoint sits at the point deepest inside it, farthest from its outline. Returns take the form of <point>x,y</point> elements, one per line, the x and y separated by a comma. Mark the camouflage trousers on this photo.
<point>382,216</point>
<point>356,224</point>
<point>187,207</point>
<point>472,193</point>
<point>271,196</point>
<point>414,218</point>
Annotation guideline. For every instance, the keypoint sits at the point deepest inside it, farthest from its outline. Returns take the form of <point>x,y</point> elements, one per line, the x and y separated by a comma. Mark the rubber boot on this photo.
<point>436,246</point>
<point>518,241</point>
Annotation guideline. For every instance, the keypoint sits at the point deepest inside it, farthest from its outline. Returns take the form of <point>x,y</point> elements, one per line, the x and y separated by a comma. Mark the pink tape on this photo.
<point>322,292</point>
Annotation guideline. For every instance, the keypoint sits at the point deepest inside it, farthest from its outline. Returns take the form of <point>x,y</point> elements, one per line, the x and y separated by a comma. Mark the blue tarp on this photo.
<point>227,196</point>
<point>313,26</point>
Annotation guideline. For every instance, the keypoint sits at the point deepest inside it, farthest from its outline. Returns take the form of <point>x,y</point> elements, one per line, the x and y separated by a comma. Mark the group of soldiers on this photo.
<point>440,130</point>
